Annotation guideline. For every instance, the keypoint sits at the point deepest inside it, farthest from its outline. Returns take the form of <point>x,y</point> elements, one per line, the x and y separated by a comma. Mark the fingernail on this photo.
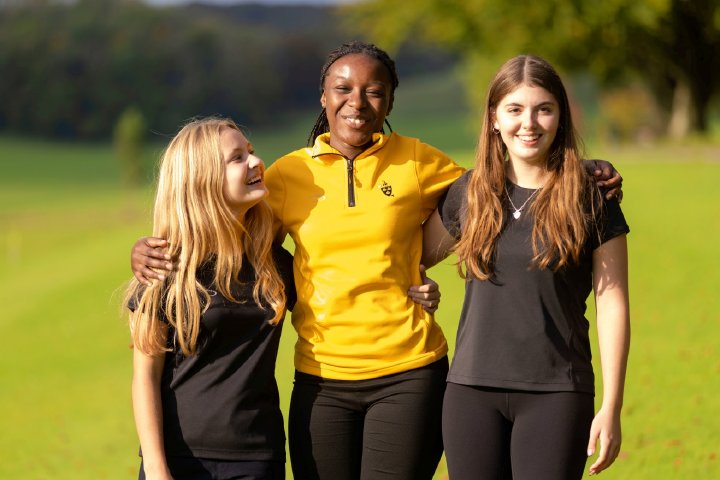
<point>161,277</point>
<point>589,452</point>
<point>168,266</point>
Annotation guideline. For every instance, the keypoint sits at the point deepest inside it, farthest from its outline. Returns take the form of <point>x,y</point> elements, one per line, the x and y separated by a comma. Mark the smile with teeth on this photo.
<point>529,138</point>
<point>254,180</point>
<point>355,122</point>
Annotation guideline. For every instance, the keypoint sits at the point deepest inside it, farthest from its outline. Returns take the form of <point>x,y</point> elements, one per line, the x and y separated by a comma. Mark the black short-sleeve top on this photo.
<point>525,328</point>
<point>222,403</point>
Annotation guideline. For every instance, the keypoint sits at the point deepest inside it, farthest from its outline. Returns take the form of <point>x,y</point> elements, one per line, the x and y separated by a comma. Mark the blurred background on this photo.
<point>91,91</point>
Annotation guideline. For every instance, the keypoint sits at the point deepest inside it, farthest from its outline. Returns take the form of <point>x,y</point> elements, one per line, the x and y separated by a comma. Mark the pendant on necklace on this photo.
<point>516,214</point>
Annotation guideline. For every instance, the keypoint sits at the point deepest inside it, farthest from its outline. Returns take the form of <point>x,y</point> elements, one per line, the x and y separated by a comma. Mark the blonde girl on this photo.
<point>206,337</point>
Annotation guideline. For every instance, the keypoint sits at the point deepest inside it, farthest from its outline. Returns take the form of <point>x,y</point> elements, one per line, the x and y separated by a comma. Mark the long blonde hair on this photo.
<point>192,214</point>
<point>562,208</point>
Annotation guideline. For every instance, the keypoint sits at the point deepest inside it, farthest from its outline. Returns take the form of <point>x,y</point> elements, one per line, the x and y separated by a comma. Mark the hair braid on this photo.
<point>321,124</point>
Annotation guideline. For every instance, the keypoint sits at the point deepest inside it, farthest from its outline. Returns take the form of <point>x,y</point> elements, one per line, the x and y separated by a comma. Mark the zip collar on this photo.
<point>322,146</point>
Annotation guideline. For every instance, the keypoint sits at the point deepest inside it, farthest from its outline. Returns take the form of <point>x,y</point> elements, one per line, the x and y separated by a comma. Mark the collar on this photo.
<point>322,146</point>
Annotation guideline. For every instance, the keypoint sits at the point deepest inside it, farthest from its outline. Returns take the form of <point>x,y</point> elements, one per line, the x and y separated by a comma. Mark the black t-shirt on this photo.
<point>525,328</point>
<point>222,403</point>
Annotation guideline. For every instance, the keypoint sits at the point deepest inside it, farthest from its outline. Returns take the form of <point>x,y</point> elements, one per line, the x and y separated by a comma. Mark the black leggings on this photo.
<point>506,434</point>
<point>383,428</point>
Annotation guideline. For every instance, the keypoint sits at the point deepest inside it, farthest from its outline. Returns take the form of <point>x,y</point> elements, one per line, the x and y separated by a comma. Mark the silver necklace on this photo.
<point>518,211</point>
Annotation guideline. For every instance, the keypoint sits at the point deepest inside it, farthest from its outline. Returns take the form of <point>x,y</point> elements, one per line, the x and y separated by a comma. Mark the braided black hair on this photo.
<point>321,124</point>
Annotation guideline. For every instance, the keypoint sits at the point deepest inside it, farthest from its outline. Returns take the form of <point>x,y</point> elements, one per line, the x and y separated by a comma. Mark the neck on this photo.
<point>349,151</point>
<point>526,175</point>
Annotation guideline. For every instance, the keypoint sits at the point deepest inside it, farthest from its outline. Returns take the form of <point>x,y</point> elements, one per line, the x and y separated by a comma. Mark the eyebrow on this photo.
<point>240,149</point>
<point>337,76</point>
<point>514,104</point>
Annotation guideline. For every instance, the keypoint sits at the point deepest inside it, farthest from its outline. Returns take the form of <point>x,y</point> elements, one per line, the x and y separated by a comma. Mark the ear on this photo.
<point>390,105</point>
<point>322,99</point>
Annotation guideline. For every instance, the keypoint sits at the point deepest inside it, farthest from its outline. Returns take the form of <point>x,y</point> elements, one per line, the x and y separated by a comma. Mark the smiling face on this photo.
<point>528,119</point>
<point>243,186</point>
<point>357,96</point>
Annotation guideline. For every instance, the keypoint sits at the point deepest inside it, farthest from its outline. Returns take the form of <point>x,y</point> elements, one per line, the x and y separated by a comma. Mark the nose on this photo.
<point>357,99</point>
<point>255,162</point>
<point>529,118</point>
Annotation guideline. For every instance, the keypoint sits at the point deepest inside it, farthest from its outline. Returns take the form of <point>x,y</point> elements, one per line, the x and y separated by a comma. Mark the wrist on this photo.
<point>155,467</point>
<point>612,406</point>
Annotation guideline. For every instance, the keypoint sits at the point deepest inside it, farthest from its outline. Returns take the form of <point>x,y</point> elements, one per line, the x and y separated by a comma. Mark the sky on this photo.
<point>266,2</point>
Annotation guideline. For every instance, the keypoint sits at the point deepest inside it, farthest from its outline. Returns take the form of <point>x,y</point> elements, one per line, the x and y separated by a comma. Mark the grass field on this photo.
<point>66,226</point>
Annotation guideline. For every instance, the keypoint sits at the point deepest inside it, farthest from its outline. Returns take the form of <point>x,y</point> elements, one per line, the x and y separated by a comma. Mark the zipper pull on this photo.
<point>350,183</point>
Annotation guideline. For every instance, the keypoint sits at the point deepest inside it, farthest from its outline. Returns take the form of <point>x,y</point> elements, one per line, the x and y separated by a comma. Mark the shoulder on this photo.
<point>609,219</point>
<point>458,189</point>
<point>277,173</point>
<point>435,169</point>
<point>300,155</point>
<point>422,149</point>
<point>282,258</point>
<point>452,203</point>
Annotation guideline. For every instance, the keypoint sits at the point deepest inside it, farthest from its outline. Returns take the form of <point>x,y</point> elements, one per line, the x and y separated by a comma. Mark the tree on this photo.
<point>672,45</point>
<point>128,139</point>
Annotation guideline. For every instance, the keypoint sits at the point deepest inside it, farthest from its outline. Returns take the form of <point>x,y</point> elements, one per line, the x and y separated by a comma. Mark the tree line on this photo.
<point>672,47</point>
<point>70,69</point>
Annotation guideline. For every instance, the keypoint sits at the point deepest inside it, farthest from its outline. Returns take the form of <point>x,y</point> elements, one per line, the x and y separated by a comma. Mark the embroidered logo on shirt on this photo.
<point>386,189</point>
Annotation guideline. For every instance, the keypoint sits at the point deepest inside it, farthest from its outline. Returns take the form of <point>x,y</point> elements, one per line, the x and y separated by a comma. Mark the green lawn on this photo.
<point>66,226</point>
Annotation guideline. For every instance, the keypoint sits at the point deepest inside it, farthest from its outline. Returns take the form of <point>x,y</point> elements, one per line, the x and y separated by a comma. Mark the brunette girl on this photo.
<point>535,236</point>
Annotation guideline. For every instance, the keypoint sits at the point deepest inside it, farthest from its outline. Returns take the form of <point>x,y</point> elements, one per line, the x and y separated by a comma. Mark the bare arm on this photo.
<point>437,241</point>
<point>610,279</point>
<point>147,407</point>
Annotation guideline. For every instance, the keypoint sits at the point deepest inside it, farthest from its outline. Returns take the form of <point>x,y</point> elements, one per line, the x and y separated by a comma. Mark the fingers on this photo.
<point>603,169</point>
<point>608,454</point>
<point>606,174</point>
<point>423,274</point>
<point>429,300</point>
<point>427,297</point>
<point>149,261</point>
<point>153,247</point>
<point>155,242</point>
<point>609,450</point>
<point>142,268</point>
<point>612,181</point>
<point>427,294</point>
<point>615,192</point>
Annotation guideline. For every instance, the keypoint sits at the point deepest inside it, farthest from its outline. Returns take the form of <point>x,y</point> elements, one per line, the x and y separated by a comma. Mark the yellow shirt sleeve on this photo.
<point>436,172</point>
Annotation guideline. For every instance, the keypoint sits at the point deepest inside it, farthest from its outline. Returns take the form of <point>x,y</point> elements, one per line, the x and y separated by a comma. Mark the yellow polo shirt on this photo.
<point>357,228</point>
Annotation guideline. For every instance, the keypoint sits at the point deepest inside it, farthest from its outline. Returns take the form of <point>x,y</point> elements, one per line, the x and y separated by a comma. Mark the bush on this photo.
<point>128,140</point>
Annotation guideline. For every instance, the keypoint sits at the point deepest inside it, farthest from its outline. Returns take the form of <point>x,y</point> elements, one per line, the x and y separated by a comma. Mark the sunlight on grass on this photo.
<point>65,237</point>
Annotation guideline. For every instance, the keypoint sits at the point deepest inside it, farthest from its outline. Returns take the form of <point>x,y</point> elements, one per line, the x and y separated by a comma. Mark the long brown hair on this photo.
<point>192,214</point>
<point>562,208</point>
